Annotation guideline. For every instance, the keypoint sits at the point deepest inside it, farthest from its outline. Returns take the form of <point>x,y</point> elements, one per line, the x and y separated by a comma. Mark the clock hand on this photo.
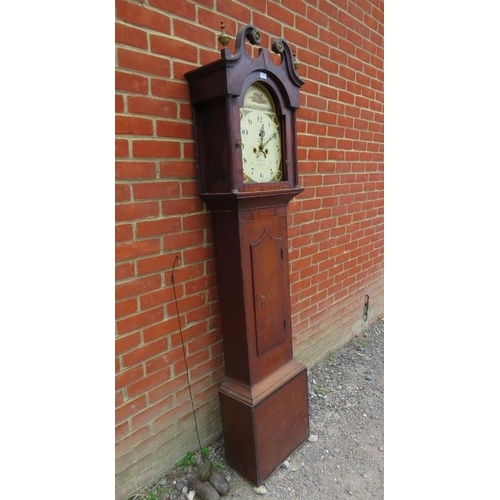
<point>262,133</point>
<point>270,138</point>
<point>262,144</point>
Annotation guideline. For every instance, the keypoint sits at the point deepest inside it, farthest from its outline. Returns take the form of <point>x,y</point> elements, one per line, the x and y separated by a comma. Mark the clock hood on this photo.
<point>224,76</point>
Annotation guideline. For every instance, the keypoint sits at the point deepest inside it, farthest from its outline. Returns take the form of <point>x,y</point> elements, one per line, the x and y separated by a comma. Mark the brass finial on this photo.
<point>223,38</point>
<point>296,62</point>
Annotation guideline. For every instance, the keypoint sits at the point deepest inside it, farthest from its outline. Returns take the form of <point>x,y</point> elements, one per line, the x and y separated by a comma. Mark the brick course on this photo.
<point>335,225</point>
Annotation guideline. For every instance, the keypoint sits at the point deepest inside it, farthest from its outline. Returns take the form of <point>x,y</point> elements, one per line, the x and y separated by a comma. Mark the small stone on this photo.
<point>204,489</point>
<point>185,490</point>
<point>204,470</point>
<point>381,448</point>
<point>219,482</point>
<point>312,438</point>
<point>285,464</point>
<point>261,490</point>
<point>191,495</point>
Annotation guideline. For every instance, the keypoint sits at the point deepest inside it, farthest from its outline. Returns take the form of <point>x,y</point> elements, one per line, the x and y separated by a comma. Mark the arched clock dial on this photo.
<point>260,137</point>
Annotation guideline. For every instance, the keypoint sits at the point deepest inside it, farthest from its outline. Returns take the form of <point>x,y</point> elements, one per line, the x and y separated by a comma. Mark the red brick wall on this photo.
<point>335,225</point>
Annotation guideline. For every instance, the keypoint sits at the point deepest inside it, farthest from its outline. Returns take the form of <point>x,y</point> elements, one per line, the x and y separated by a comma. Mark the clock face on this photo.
<point>260,137</point>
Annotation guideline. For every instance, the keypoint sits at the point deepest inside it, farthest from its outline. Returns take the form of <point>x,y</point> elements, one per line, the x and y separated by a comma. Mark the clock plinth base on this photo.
<point>265,424</point>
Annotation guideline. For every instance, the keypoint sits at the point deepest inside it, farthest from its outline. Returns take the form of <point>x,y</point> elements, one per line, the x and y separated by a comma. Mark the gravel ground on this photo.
<point>346,415</point>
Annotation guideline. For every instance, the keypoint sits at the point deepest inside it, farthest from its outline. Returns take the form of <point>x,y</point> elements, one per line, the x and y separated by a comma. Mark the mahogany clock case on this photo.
<point>263,397</point>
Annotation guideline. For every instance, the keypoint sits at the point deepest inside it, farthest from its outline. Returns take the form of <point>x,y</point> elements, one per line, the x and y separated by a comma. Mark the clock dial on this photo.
<point>260,137</point>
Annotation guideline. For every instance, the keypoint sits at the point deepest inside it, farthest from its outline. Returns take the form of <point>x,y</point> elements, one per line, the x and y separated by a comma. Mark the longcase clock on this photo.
<point>246,143</point>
